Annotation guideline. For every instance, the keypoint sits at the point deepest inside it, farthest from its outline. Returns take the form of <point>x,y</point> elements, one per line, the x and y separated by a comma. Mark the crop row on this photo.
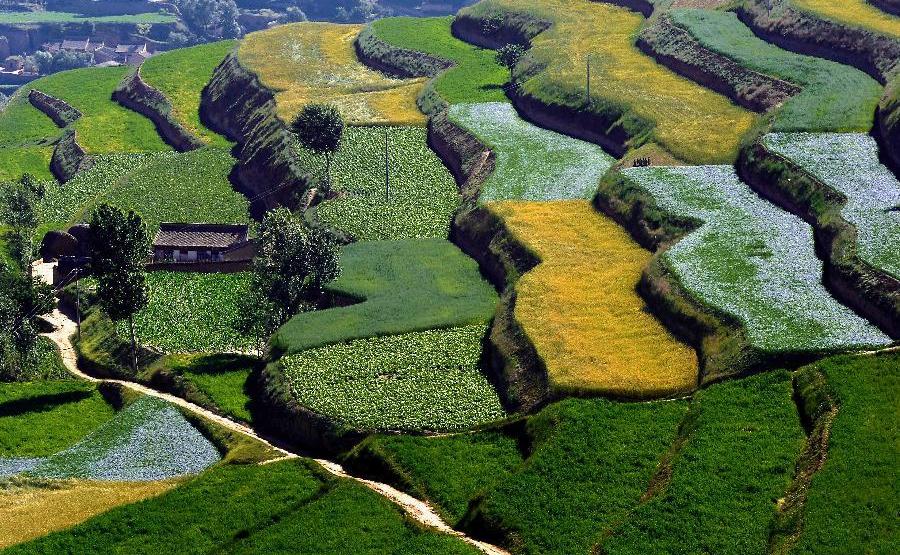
<point>849,163</point>
<point>531,163</point>
<point>316,62</point>
<point>418,199</point>
<point>427,380</point>
<point>752,261</point>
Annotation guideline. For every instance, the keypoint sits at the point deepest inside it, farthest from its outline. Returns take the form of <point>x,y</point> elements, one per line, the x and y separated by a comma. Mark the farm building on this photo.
<point>198,243</point>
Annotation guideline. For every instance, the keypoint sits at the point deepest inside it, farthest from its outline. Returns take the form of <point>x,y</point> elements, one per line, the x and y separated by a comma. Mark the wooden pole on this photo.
<point>78,301</point>
<point>387,168</point>
<point>588,87</point>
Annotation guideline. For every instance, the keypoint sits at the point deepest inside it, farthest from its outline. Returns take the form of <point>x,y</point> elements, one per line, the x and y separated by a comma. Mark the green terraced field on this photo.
<point>823,105</point>
<point>423,195</point>
<point>401,287</point>
<point>105,126</point>
<point>531,163</point>
<point>752,261</point>
<point>25,134</point>
<point>476,77</point>
<point>220,378</point>
<point>16,18</point>
<point>181,75</point>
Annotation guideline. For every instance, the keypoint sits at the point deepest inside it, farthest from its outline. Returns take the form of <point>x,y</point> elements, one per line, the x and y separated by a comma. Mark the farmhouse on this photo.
<point>197,243</point>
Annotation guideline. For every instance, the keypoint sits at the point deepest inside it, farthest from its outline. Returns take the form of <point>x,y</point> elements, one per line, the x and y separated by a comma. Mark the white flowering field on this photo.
<point>531,163</point>
<point>754,261</point>
<point>422,196</point>
<point>848,162</point>
<point>148,440</point>
<point>418,381</point>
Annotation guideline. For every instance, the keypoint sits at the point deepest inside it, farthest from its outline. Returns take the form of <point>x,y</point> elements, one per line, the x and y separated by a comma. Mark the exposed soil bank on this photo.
<point>793,29</point>
<point>869,291</point>
<point>237,105</point>
<point>888,121</point>
<point>675,48</point>
<point>135,94</point>
<point>68,157</point>
<point>889,6</point>
<point>395,61</point>
<point>61,112</point>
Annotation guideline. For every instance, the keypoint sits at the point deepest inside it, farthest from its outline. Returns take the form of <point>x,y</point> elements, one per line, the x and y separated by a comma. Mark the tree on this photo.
<point>23,300</point>
<point>120,244</point>
<point>294,264</point>
<point>20,212</point>
<point>509,56</point>
<point>320,127</point>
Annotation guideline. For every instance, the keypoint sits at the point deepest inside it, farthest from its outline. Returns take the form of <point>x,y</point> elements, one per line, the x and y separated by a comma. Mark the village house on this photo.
<point>181,243</point>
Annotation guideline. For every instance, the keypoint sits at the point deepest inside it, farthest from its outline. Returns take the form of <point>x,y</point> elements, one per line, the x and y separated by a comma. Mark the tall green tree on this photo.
<point>23,300</point>
<point>120,244</point>
<point>20,212</point>
<point>320,128</point>
<point>509,56</point>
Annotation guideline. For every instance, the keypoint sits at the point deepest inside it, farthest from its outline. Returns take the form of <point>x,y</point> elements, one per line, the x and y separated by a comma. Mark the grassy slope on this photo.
<point>316,62</point>
<point>24,134</point>
<point>823,105</point>
<point>580,309</point>
<point>410,285</point>
<point>39,419</point>
<point>590,463</point>
<point>222,379</point>
<point>854,500</point>
<point>105,126</point>
<point>181,75</point>
<point>15,18</point>
<point>737,461</point>
<point>694,123</point>
<point>858,13</point>
<point>477,77</point>
<point>252,508</point>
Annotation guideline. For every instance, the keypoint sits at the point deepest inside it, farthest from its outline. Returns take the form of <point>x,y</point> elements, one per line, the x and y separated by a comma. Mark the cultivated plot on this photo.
<point>752,261</point>
<point>531,163</point>
<point>25,137</point>
<point>580,309</point>
<point>316,62</point>
<point>848,163</point>
<point>858,13</point>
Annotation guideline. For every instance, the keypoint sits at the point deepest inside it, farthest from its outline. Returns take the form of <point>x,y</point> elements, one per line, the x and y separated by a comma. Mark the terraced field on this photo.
<point>531,163</point>
<point>694,123</point>
<point>580,309</point>
<point>418,201</point>
<point>25,136</point>
<point>181,75</point>
<point>859,13</point>
<point>822,105</point>
<point>316,62</point>
<point>752,261</point>
<point>849,164</point>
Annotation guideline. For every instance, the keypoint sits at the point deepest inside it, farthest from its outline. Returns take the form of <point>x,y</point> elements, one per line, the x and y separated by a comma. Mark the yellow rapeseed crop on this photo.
<point>854,12</point>
<point>693,122</point>
<point>30,512</point>
<point>580,309</point>
<point>316,62</point>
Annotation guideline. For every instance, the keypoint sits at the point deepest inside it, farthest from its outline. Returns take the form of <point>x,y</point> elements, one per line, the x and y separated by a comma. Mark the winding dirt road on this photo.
<point>420,511</point>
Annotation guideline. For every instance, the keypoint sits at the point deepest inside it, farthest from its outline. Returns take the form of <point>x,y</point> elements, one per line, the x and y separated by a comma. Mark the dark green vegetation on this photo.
<point>853,501</point>
<point>25,136</point>
<point>825,103</point>
<point>448,471</point>
<point>281,507</point>
<point>398,287</point>
<point>216,381</point>
<point>476,77</point>
<point>742,441</point>
<point>39,419</point>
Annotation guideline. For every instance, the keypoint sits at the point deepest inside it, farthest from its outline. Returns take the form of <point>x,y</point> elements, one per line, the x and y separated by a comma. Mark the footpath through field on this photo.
<point>420,511</point>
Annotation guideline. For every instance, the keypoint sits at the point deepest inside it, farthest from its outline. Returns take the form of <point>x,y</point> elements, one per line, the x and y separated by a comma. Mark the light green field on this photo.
<point>13,18</point>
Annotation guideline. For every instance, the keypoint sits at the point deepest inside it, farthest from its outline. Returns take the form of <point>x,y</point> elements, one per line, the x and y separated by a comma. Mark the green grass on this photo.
<point>835,97</point>
<point>739,458</point>
<point>221,378</point>
<point>45,363</point>
<point>253,509</point>
<point>403,286</point>
<point>16,161</point>
<point>428,380</point>
<point>105,126</point>
<point>423,194</point>
<point>181,75</point>
<point>590,462</point>
<point>476,77</point>
<point>25,134</point>
<point>42,418</point>
<point>161,187</point>
<point>15,18</point>
<point>854,500</point>
<point>448,471</point>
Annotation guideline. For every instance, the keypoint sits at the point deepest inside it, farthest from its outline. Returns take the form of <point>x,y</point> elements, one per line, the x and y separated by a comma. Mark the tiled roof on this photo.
<point>218,236</point>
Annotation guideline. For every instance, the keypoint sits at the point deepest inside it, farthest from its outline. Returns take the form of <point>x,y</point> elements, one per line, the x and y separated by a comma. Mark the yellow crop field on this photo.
<point>316,62</point>
<point>694,123</point>
<point>28,512</point>
<point>580,309</point>
<point>853,12</point>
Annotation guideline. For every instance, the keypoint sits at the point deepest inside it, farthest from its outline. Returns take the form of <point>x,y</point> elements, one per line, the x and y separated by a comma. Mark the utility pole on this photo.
<point>78,301</point>
<point>387,168</point>
<point>588,87</point>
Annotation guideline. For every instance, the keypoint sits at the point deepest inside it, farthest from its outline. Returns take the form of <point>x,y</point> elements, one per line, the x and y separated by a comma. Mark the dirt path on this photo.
<point>417,509</point>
